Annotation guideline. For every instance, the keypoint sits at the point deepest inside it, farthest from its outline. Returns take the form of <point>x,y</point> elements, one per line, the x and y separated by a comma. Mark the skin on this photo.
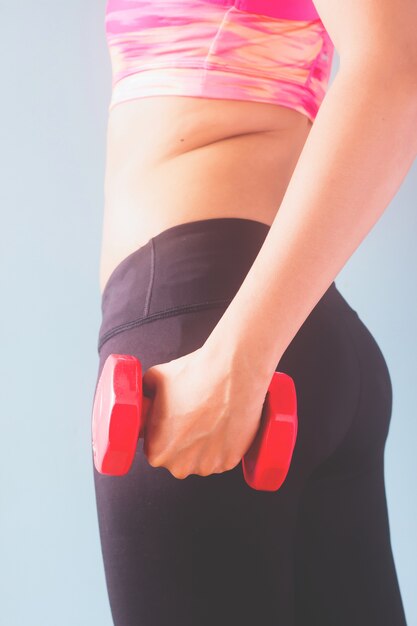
<point>174,159</point>
<point>336,179</point>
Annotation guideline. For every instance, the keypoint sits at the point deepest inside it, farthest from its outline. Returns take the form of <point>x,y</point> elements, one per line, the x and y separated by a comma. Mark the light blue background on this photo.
<point>56,88</point>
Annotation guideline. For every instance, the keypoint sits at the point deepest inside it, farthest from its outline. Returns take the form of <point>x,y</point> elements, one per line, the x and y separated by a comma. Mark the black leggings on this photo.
<point>209,550</point>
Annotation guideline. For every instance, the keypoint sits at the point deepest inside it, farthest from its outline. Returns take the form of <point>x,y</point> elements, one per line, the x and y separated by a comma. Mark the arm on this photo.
<point>359,149</point>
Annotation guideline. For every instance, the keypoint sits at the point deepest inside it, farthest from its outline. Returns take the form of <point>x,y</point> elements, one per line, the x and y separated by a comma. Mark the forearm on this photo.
<point>360,147</point>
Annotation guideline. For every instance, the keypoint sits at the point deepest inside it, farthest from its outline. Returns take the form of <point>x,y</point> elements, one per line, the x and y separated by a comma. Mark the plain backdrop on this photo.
<point>56,81</point>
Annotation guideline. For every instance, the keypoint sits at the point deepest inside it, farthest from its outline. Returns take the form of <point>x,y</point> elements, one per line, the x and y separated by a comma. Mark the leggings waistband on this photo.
<point>190,266</point>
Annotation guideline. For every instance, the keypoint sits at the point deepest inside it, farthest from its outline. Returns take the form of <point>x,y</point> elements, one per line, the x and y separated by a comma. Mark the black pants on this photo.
<point>209,550</point>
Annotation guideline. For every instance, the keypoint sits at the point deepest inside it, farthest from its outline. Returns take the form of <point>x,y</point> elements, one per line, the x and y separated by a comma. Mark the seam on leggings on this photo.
<point>358,403</point>
<point>360,393</point>
<point>185,308</point>
<point>151,280</point>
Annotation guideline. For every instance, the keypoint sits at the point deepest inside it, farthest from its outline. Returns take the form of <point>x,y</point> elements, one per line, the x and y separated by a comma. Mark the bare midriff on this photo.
<point>175,159</point>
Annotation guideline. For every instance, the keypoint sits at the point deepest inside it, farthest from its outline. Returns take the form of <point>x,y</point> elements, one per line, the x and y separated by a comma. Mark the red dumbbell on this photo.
<point>120,410</point>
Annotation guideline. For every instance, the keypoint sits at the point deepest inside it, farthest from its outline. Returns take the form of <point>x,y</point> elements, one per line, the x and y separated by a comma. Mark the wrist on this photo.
<point>234,350</point>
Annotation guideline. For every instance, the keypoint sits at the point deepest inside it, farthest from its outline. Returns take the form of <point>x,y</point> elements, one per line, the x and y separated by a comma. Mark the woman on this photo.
<point>237,186</point>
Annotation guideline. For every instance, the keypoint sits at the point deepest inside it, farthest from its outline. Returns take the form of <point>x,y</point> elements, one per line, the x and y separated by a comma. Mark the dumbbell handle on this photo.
<point>146,406</point>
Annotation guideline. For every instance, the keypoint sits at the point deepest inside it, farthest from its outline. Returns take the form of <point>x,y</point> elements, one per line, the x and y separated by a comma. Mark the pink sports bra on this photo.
<point>283,9</point>
<point>275,51</point>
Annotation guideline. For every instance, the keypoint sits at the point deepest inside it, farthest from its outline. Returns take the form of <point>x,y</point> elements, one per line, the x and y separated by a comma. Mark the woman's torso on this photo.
<point>259,70</point>
<point>173,159</point>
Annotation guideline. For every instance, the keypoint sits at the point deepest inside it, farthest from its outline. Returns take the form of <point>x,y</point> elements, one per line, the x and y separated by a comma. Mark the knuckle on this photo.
<point>178,473</point>
<point>231,463</point>
<point>181,472</point>
<point>205,471</point>
<point>155,460</point>
<point>219,469</point>
<point>214,468</point>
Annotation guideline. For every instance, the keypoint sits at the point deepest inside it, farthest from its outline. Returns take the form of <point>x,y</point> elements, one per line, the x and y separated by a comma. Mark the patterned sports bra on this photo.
<point>284,9</point>
<point>275,51</point>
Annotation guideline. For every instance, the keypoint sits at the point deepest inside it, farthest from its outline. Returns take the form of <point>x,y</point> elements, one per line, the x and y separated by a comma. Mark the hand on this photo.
<point>205,411</point>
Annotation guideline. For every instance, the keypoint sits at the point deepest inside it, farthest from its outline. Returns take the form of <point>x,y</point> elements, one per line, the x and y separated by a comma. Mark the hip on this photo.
<point>190,266</point>
<point>164,300</point>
